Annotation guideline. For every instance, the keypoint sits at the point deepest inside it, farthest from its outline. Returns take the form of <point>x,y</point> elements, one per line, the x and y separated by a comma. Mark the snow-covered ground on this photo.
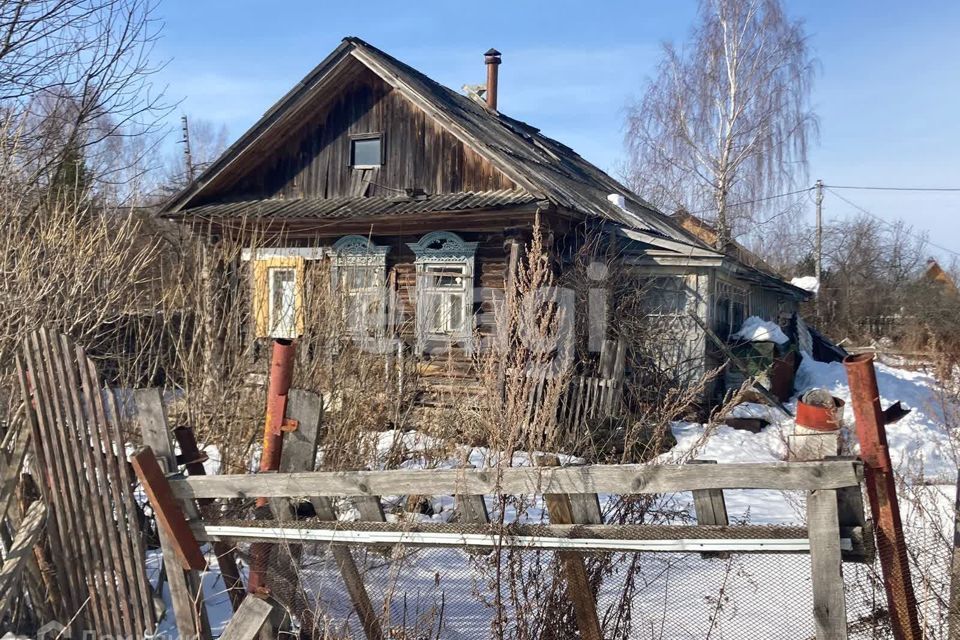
<point>747,596</point>
<point>920,445</point>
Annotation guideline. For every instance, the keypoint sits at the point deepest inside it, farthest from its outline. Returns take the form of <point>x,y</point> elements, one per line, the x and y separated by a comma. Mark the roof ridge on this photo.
<point>534,160</point>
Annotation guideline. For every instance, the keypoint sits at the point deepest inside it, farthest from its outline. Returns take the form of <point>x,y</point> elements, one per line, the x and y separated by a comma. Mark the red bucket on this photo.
<point>820,418</point>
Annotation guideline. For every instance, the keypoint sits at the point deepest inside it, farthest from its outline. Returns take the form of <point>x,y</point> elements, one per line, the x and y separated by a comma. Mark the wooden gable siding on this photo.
<point>314,159</point>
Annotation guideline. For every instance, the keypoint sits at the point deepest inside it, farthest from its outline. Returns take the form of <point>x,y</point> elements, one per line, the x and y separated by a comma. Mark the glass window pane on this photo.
<point>365,151</point>
<point>283,298</point>
<point>435,313</point>
<point>455,303</point>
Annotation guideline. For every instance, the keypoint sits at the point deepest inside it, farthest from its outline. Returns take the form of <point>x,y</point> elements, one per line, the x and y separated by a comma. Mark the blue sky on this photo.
<point>888,91</point>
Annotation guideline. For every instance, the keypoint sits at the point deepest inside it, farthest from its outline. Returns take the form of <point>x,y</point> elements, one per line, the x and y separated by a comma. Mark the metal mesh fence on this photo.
<point>454,592</point>
<point>522,594</point>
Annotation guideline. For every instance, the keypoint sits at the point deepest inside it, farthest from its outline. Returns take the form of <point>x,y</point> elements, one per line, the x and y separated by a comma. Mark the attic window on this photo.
<point>366,150</point>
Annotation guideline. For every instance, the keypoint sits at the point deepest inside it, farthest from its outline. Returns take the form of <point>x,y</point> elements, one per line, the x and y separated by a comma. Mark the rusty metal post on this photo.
<point>882,491</point>
<point>281,376</point>
<point>193,459</point>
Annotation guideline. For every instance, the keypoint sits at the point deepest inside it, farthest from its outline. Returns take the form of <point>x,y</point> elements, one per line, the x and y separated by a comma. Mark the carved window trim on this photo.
<point>442,254</point>
<point>358,252</point>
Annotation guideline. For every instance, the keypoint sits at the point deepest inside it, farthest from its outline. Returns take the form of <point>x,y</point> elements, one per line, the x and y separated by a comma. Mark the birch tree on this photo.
<point>726,122</point>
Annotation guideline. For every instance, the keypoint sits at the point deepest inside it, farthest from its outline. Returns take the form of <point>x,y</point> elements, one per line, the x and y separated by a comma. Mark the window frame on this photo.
<point>727,296</point>
<point>262,262</point>
<point>658,290</point>
<point>431,272</point>
<point>274,328</point>
<point>439,249</point>
<point>359,137</point>
<point>357,251</point>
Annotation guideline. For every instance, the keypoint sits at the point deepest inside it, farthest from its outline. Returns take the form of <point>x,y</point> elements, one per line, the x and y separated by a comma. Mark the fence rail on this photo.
<point>612,479</point>
<point>575,525</point>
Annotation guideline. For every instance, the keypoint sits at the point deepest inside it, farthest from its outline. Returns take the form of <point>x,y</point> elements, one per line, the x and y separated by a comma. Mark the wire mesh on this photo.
<point>433,593</point>
<point>454,592</point>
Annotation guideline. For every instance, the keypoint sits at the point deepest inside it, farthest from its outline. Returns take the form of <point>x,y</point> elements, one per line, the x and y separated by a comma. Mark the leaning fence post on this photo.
<point>563,510</point>
<point>300,454</point>
<point>882,491</point>
<point>193,460</point>
<point>186,592</point>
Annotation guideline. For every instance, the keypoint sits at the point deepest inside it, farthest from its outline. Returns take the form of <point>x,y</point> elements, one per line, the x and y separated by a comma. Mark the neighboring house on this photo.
<point>404,185</point>
<point>937,277</point>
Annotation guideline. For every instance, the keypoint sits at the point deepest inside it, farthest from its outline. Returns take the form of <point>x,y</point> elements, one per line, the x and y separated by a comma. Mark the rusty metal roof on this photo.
<point>355,207</point>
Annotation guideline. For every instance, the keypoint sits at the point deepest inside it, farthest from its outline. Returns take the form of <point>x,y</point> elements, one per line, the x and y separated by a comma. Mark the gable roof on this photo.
<point>541,166</point>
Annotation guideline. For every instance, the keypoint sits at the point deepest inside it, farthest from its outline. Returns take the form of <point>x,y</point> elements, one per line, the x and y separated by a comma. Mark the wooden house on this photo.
<point>407,186</point>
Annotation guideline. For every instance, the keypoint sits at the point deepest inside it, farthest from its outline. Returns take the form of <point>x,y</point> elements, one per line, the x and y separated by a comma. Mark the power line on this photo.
<point>887,222</point>
<point>833,186</point>
<point>773,197</point>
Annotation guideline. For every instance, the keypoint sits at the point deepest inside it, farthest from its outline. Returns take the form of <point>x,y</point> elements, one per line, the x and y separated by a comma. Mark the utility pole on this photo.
<point>819,248</point>
<point>186,149</point>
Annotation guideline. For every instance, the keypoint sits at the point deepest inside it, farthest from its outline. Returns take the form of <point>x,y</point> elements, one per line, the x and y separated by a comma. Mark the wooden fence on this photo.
<point>97,550</point>
<point>571,497</point>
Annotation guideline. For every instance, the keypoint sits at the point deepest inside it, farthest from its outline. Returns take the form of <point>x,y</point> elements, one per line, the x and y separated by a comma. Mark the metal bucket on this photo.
<point>817,417</point>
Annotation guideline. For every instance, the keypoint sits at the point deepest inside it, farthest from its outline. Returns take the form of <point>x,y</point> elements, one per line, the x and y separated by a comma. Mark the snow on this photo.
<point>755,410</point>
<point>919,442</point>
<point>807,283</point>
<point>757,329</point>
<point>919,445</point>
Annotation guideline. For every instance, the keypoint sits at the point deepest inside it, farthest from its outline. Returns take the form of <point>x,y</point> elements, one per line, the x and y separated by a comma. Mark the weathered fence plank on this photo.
<point>708,503</point>
<point>579,591</point>
<point>10,474</point>
<point>829,605</point>
<point>94,538</point>
<point>166,510</point>
<point>72,516</point>
<point>57,540</point>
<point>248,620</point>
<point>20,552</point>
<point>618,479</point>
<point>185,590</point>
<point>226,555</point>
<point>301,453</point>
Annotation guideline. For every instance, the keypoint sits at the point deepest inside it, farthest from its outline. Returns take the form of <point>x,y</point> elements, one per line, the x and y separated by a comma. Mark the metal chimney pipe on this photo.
<point>492,60</point>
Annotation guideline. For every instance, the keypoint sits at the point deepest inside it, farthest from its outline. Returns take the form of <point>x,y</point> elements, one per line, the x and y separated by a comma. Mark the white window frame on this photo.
<point>439,250</point>
<point>281,327</point>
<point>352,252</point>
<point>365,137</point>
<point>430,273</point>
